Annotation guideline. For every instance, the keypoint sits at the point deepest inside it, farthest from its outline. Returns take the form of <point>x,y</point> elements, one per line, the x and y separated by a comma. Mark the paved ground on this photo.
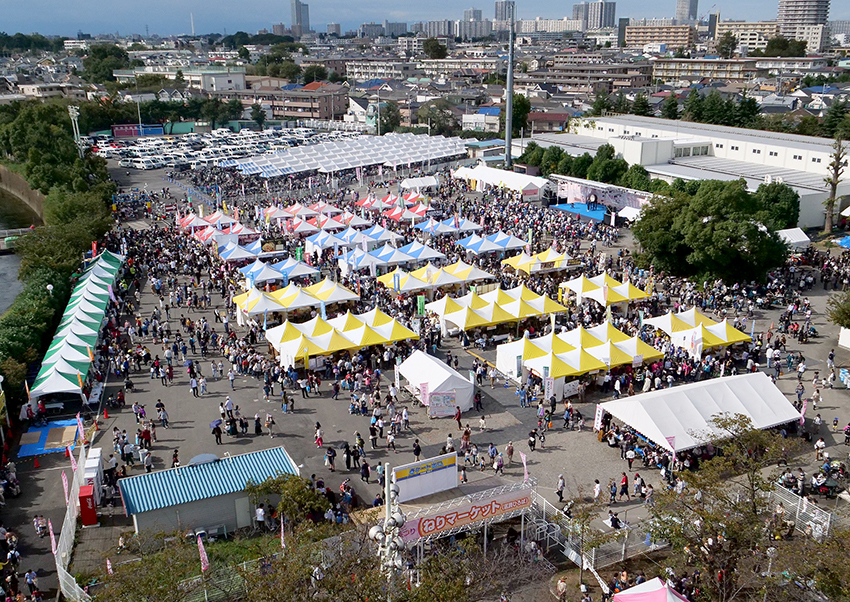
<point>575,454</point>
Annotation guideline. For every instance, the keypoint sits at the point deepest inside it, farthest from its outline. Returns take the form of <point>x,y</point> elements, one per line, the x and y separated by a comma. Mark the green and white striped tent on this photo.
<point>68,360</point>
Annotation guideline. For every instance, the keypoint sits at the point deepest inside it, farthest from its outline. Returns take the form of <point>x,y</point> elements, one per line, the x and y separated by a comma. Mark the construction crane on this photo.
<point>706,13</point>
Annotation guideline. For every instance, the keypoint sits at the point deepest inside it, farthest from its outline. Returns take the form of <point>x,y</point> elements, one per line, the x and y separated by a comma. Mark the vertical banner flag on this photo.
<point>423,393</point>
<point>205,561</point>
<point>672,442</point>
<point>65,487</point>
<point>282,537</point>
<point>73,459</point>
<point>52,536</point>
<point>108,566</point>
<point>80,428</point>
<point>524,467</point>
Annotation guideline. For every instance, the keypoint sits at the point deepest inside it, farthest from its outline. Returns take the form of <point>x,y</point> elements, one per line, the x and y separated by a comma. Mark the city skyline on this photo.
<point>165,18</point>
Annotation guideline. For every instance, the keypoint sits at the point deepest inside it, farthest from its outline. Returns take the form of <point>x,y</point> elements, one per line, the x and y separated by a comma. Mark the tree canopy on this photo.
<point>433,49</point>
<point>721,231</point>
<point>102,60</point>
<point>782,46</point>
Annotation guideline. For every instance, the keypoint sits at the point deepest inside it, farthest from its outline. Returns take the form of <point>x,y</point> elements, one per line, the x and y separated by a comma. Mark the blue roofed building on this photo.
<point>486,119</point>
<point>208,494</point>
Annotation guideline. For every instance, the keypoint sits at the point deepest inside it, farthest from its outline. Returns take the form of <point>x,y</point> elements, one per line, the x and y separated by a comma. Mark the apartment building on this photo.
<point>736,70</point>
<point>448,66</point>
<point>211,79</point>
<point>590,77</point>
<point>751,35</point>
<point>674,36</point>
<point>329,102</point>
<point>366,69</point>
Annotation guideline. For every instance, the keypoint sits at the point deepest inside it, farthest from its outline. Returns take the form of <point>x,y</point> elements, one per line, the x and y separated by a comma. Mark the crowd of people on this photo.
<point>191,327</point>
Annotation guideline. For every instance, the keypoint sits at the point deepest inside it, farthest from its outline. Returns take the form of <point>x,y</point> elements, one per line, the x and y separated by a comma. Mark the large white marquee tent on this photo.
<point>677,419</point>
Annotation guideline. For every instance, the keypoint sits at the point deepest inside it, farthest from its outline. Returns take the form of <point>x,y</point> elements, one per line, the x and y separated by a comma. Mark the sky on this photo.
<point>167,17</point>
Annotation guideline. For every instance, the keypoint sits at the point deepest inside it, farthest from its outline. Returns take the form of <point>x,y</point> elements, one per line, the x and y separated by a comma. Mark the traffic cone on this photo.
<point>96,427</point>
<point>105,414</point>
<point>36,464</point>
<point>67,453</point>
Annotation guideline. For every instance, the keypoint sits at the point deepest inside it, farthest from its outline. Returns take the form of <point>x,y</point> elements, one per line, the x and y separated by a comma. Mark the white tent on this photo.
<point>795,238</point>
<point>677,419</point>
<point>423,182</point>
<point>629,213</point>
<point>421,368</point>
<point>531,187</point>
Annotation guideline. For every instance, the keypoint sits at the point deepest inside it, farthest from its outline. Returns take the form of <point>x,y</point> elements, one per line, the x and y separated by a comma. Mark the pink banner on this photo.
<point>52,536</point>
<point>73,459</point>
<point>205,561</point>
<point>524,467</point>
<point>65,486</point>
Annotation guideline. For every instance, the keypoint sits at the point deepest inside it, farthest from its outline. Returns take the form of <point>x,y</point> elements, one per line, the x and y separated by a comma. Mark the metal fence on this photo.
<point>552,527</point>
<point>808,518</point>
<point>69,587</point>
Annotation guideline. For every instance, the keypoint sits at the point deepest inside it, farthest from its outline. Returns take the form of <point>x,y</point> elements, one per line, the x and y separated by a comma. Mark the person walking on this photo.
<point>532,439</point>
<point>624,488</point>
<point>559,488</point>
<point>365,472</point>
<point>270,424</point>
<point>417,450</point>
<point>217,432</point>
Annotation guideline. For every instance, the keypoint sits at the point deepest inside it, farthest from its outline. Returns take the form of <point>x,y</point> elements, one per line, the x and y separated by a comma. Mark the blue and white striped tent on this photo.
<point>421,252</point>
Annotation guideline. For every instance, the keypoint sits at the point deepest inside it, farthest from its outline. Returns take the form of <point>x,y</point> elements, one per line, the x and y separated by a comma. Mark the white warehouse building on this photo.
<point>671,149</point>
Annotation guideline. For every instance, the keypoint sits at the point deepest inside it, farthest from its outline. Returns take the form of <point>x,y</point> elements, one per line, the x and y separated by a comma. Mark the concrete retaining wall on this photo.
<point>16,186</point>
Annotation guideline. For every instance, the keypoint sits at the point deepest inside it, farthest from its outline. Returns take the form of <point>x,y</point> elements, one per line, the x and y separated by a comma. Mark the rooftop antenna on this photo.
<point>192,20</point>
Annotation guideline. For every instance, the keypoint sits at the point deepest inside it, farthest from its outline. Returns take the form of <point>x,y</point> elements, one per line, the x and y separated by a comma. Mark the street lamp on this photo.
<point>387,535</point>
<point>74,113</point>
<point>49,288</point>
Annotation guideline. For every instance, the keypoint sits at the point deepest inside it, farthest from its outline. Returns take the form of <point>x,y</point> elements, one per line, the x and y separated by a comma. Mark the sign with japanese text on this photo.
<point>467,514</point>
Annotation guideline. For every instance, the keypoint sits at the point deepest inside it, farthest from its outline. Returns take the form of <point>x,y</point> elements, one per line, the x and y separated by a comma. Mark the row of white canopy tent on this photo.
<point>68,359</point>
<point>530,186</point>
<point>390,150</point>
<point>680,418</point>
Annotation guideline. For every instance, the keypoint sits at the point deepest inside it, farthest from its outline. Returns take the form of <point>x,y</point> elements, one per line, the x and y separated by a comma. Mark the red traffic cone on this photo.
<point>105,414</point>
<point>67,453</point>
<point>36,464</point>
<point>96,427</point>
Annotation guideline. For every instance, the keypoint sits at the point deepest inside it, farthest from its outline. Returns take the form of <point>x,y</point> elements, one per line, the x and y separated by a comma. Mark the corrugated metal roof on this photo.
<point>155,490</point>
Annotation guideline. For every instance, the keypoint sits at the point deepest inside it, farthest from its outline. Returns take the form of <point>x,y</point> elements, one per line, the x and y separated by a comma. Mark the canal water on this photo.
<point>13,214</point>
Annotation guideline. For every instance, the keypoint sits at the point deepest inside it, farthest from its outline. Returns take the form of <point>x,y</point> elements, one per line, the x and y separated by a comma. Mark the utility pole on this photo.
<point>509,90</point>
<point>378,122</point>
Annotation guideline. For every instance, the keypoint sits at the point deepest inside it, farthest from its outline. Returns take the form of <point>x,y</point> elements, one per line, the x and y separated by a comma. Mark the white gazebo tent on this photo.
<point>795,238</point>
<point>677,419</point>
<point>421,368</point>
